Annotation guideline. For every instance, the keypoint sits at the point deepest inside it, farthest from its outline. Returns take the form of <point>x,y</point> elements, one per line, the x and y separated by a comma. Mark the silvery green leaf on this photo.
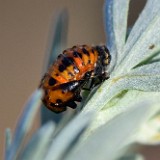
<point>115,16</point>
<point>39,143</point>
<point>57,42</point>
<point>140,29</point>
<point>24,124</point>
<point>8,140</point>
<point>121,103</point>
<point>122,78</point>
<point>144,78</point>
<point>109,139</point>
<point>149,133</point>
<point>142,48</point>
<point>145,46</point>
<point>67,117</point>
<point>67,136</point>
<point>154,57</point>
<point>104,93</point>
<point>140,82</point>
<point>152,69</point>
<point>47,115</point>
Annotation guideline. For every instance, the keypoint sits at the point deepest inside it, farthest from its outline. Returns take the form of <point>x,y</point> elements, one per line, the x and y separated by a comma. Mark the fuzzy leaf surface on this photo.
<point>38,145</point>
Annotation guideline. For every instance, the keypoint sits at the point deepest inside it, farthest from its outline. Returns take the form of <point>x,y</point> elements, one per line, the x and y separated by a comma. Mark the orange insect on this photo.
<point>67,76</point>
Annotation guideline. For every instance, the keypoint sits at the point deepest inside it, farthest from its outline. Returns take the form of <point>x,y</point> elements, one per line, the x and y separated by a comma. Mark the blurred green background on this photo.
<point>25,28</point>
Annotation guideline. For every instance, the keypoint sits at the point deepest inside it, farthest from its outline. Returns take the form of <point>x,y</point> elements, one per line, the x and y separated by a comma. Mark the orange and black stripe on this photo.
<point>69,73</point>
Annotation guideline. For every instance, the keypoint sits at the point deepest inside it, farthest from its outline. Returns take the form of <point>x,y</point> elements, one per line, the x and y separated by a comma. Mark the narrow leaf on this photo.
<point>115,17</point>
<point>153,57</point>
<point>24,123</point>
<point>148,69</point>
<point>142,82</point>
<point>38,145</point>
<point>8,140</point>
<point>64,139</point>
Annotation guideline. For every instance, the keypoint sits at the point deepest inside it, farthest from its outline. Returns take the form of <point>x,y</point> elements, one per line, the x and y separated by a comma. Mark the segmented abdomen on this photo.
<point>71,65</point>
<point>66,77</point>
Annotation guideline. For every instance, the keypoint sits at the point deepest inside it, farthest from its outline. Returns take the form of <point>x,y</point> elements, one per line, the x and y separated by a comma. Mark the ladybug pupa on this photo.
<point>72,70</point>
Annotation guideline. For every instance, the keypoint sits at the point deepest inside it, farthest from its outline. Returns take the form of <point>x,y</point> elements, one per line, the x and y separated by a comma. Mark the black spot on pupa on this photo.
<point>66,61</point>
<point>61,68</point>
<point>52,81</point>
<point>77,54</point>
<point>71,60</point>
<point>85,51</point>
